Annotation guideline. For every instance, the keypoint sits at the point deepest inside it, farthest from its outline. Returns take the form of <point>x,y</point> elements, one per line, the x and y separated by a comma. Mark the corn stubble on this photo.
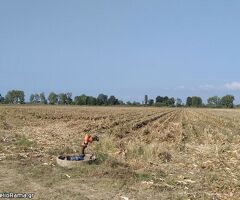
<point>143,153</point>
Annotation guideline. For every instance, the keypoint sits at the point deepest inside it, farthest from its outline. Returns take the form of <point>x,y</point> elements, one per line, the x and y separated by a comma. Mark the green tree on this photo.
<point>196,101</point>
<point>37,98</point>
<point>112,100</point>
<point>121,102</point>
<point>165,99</point>
<point>170,101</point>
<point>31,99</point>
<point>214,101</point>
<point>91,101</point>
<point>178,102</point>
<point>135,103</point>
<point>158,104</point>
<point>15,97</point>
<point>227,101</point>
<point>189,101</point>
<point>1,99</point>
<point>150,102</point>
<point>159,99</point>
<point>10,97</point>
<point>62,98</point>
<point>53,98</point>
<point>129,103</point>
<point>81,100</point>
<point>34,98</point>
<point>21,97</point>
<point>69,98</point>
<point>146,99</point>
<point>42,98</point>
<point>102,99</point>
<point>76,100</point>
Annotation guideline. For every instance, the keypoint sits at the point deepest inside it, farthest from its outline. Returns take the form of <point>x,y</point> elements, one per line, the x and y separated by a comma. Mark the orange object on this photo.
<point>87,139</point>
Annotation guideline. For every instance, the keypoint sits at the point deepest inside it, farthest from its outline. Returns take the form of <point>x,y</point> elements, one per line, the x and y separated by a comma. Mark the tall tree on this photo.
<point>112,100</point>
<point>43,98</point>
<point>62,98</point>
<point>129,103</point>
<point>189,101</point>
<point>102,99</point>
<point>135,103</point>
<point>81,100</point>
<point>53,98</point>
<point>121,102</point>
<point>159,99</point>
<point>37,98</point>
<point>1,99</point>
<point>146,99</point>
<point>150,102</point>
<point>178,102</point>
<point>196,101</point>
<point>227,101</point>
<point>31,99</point>
<point>15,97</point>
<point>69,98</point>
<point>214,101</point>
<point>165,99</point>
<point>91,101</point>
<point>171,101</point>
<point>21,97</point>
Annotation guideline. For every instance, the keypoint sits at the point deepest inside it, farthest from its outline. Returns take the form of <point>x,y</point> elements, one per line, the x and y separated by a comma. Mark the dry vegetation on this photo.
<point>143,153</point>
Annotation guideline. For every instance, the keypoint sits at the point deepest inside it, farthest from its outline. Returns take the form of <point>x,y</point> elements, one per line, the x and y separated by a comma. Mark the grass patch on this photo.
<point>1,148</point>
<point>23,142</point>
<point>160,174</point>
<point>143,176</point>
<point>60,151</point>
<point>140,151</point>
<point>101,158</point>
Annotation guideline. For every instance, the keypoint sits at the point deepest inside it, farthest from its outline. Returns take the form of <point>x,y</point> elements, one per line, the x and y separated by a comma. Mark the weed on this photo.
<point>23,142</point>
<point>101,158</point>
<point>143,176</point>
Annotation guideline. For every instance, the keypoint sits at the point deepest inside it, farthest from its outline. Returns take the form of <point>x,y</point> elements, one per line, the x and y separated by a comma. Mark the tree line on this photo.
<point>212,102</point>
<point>67,99</point>
<point>18,97</point>
<point>219,102</point>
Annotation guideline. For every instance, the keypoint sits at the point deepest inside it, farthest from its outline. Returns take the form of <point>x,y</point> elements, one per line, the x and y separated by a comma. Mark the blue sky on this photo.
<point>127,48</point>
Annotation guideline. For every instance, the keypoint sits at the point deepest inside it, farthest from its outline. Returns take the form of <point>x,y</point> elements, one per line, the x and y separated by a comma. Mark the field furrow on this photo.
<point>167,153</point>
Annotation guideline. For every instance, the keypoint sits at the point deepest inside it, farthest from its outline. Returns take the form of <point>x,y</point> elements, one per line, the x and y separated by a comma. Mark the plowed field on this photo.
<point>143,153</point>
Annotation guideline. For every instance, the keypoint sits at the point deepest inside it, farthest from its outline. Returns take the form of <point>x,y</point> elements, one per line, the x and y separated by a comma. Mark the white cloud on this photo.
<point>207,87</point>
<point>180,87</point>
<point>232,86</point>
<point>196,88</point>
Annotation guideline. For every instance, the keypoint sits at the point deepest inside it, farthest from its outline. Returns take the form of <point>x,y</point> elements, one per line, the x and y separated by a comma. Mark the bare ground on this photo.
<point>143,153</point>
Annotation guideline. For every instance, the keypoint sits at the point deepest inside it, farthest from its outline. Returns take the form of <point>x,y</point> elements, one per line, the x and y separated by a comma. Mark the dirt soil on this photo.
<point>143,153</point>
